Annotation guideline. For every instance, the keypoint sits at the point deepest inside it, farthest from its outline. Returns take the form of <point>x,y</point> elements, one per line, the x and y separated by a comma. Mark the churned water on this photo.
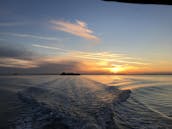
<point>86,102</point>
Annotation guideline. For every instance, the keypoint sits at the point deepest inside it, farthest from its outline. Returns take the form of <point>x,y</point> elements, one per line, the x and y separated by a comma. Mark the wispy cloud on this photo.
<point>31,36</point>
<point>49,47</point>
<point>17,63</point>
<point>71,60</point>
<point>79,28</point>
<point>112,58</point>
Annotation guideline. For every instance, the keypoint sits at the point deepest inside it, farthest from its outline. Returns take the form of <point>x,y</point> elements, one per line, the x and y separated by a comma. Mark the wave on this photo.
<point>72,103</point>
<point>79,103</point>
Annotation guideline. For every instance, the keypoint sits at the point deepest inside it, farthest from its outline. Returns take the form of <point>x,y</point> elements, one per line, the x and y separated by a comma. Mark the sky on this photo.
<point>85,36</point>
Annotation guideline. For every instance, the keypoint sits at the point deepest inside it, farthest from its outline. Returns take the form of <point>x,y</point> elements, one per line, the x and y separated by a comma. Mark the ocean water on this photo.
<point>86,102</point>
<point>150,103</point>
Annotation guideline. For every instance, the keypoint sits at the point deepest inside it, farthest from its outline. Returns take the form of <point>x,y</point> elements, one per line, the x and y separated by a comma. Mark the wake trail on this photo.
<point>70,102</point>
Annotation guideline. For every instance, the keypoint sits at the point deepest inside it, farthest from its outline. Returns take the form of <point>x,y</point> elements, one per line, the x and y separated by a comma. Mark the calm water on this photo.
<point>86,102</point>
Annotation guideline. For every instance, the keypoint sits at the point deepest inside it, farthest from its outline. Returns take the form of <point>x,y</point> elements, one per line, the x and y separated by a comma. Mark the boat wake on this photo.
<point>68,102</point>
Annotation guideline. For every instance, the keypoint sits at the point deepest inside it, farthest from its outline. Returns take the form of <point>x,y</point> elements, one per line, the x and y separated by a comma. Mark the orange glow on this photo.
<point>116,69</point>
<point>91,62</point>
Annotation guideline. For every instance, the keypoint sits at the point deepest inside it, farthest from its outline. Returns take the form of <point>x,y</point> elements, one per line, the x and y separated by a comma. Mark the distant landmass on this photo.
<point>63,73</point>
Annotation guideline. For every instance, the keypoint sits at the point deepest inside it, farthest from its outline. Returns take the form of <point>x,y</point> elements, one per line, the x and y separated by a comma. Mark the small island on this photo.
<point>64,73</point>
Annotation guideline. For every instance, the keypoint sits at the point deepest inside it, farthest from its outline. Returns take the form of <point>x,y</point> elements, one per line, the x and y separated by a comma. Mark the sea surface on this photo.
<point>86,102</point>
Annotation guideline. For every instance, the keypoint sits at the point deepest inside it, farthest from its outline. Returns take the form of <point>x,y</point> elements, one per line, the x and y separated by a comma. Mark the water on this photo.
<point>86,102</point>
<point>153,91</point>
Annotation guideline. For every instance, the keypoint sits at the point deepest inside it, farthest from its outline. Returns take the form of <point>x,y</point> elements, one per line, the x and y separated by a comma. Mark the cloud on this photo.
<point>79,29</point>
<point>49,47</point>
<point>16,63</point>
<point>95,62</point>
<point>14,51</point>
<point>31,36</point>
<point>113,58</point>
<point>58,66</point>
<point>14,56</point>
<point>17,59</point>
<point>10,66</point>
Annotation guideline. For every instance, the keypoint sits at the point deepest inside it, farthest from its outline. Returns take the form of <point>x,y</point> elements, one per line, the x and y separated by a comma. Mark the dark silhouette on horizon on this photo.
<point>163,2</point>
<point>63,73</point>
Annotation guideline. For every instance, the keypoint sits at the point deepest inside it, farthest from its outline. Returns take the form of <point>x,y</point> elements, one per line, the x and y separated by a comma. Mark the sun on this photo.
<point>116,69</point>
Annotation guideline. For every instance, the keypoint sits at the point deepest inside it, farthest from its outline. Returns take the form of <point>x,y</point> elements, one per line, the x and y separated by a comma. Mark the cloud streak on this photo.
<point>49,47</point>
<point>79,28</point>
<point>17,63</point>
<point>32,36</point>
<point>69,61</point>
<point>113,58</point>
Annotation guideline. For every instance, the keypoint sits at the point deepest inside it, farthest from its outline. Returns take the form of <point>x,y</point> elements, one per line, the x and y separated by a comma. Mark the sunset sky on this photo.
<point>86,36</point>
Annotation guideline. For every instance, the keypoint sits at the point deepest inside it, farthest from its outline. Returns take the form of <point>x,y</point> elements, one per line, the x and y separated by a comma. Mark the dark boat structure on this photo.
<point>161,2</point>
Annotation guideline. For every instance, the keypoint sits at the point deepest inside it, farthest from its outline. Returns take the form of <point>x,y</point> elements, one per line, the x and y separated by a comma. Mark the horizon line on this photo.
<point>18,74</point>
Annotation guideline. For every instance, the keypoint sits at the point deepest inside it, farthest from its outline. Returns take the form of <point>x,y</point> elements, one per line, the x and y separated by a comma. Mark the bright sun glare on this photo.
<point>116,69</point>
